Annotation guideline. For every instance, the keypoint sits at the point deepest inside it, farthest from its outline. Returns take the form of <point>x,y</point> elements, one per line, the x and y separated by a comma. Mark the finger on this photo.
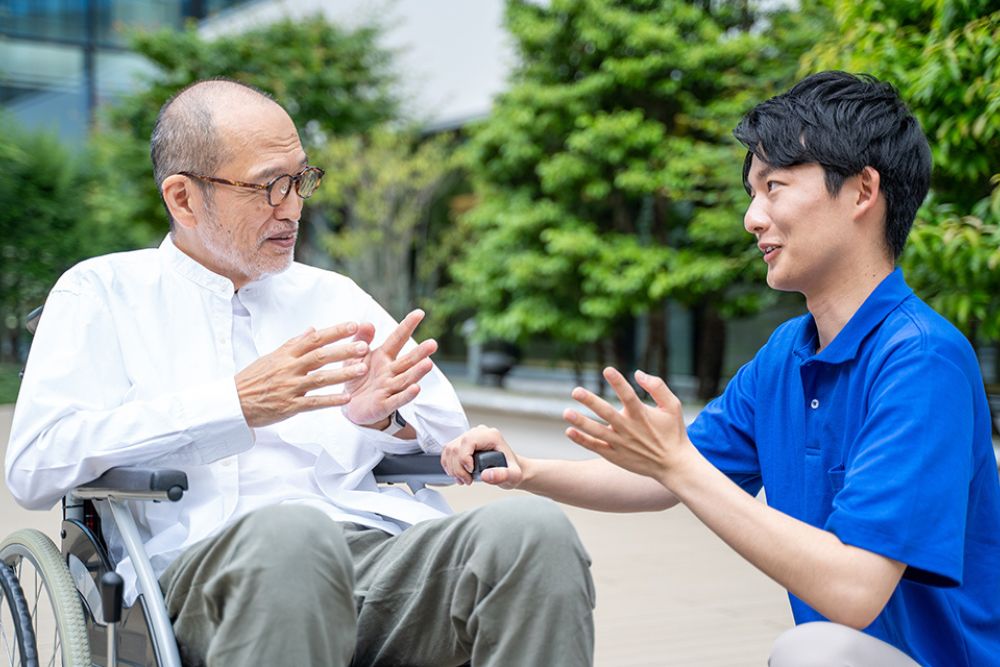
<point>333,353</point>
<point>410,377</point>
<point>596,430</point>
<point>658,389</point>
<point>320,401</point>
<point>396,401</point>
<point>597,405</point>
<point>366,332</point>
<point>626,394</point>
<point>497,476</point>
<point>589,442</point>
<point>414,356</point>
<point>321,379</point>
<point>402,333</point>
<point>450,455</point>
<point>313,339</point>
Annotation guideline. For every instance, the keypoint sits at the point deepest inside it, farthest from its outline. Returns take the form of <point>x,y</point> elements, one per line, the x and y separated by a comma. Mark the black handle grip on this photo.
<point>487,459</point>
<point>112,589</point>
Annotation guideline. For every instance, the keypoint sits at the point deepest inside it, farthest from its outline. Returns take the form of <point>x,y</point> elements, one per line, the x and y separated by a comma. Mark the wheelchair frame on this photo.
<point>144,634</point>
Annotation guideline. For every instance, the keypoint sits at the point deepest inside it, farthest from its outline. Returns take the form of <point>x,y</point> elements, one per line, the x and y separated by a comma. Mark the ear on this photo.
<point>869,188</point>
<point>183,198</point>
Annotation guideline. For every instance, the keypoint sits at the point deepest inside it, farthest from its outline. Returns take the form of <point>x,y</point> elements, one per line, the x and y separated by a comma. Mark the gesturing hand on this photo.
<point>456,458</point>
<point>390,381</point>
<point>641,438</point>
<point>274,386</point>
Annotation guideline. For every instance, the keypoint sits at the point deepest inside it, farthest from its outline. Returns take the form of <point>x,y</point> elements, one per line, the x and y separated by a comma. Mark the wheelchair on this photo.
<point>63,606</point>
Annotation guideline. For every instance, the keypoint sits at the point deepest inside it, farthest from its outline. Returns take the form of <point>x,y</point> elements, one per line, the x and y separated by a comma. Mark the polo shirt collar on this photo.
<point>882,301</point>
<point>186,266</point>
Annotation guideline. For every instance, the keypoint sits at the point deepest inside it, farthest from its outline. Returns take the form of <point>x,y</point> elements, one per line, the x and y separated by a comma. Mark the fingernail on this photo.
<point>359,369</point>
<point>361,347</point>
<point>352,327</point>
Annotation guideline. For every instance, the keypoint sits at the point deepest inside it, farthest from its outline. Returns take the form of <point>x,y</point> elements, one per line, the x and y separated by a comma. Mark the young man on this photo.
<point>865,420</point>
<point>277,387</point>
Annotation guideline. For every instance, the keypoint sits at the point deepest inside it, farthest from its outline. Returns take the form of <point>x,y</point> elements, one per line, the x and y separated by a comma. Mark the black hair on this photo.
<point>845,122</point>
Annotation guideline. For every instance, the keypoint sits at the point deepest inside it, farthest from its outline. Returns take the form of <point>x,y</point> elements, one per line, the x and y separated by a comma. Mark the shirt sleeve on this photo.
<point>435,414</point>
<point>906,480</point>
<point>724,431</point>
<point>74,418</point>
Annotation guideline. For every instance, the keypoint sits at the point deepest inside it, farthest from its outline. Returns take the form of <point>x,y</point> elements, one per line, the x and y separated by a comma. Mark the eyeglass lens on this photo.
<point>305,186</point>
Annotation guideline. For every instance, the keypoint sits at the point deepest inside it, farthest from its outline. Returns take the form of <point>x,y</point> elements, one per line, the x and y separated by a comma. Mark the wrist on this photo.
<point>380,425</point>
<point>684,470</point>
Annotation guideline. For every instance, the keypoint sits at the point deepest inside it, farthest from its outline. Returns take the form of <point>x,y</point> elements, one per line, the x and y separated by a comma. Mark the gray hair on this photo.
<point>186,137</point>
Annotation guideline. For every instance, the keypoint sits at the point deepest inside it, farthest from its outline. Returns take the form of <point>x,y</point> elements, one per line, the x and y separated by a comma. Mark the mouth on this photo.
<point>283,239</point>
<point>770,251</point>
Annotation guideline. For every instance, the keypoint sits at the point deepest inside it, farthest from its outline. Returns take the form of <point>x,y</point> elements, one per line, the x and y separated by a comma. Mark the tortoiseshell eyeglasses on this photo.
<point>305,183</point>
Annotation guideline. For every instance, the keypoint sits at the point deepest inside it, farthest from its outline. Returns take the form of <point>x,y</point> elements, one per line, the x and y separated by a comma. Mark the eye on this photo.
<point>771,185</point>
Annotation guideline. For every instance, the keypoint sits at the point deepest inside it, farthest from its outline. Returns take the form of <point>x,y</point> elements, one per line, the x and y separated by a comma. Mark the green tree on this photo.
<point>607,177</point>
<point>945,59</point>
<point>43,228</point>
<point>333,81</point>
<point>376,198</point>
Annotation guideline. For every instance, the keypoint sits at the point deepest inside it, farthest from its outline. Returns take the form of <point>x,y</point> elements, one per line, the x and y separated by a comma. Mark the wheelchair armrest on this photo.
<point>135,484</point>
<point>426,468</point>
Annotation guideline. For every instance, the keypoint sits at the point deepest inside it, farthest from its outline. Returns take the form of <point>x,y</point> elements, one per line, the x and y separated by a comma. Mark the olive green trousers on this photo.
<point>507,584</point>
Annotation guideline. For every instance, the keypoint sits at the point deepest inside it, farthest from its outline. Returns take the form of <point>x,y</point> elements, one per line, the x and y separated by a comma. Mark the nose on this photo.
<point>754,220</point>
<point>290,208</point>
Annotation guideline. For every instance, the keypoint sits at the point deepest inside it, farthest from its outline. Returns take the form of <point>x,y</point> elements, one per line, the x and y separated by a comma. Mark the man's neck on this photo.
<point>833,307</point>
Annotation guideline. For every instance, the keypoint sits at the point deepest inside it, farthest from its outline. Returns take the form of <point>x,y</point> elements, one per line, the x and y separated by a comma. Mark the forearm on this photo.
<point>594,484</point>
<point>846,584</point>
<point>58,441</point>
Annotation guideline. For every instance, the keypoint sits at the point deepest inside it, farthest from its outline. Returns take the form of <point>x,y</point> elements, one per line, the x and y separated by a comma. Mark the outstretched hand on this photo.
<point>456,458</point>
<point>274,387</point>
<point>648,440</point>
<point>391,380</point>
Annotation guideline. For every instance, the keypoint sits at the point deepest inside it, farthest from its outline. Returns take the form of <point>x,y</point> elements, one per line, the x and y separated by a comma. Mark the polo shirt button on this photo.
<point>814,404</point>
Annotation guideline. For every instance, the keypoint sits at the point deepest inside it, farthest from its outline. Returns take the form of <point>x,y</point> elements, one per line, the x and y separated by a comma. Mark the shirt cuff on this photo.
<point>217,427</point>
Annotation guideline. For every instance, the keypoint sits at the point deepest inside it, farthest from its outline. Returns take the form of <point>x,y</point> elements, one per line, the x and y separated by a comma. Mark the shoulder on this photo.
<point>101,274</point>
<point>914,328</point>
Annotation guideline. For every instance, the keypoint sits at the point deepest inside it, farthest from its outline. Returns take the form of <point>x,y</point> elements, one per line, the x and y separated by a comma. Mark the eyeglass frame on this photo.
<point>296,179</point>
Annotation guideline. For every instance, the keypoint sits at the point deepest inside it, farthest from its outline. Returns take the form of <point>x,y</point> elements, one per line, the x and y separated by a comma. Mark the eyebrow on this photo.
<point>764,173</point>
<point>271,172</point>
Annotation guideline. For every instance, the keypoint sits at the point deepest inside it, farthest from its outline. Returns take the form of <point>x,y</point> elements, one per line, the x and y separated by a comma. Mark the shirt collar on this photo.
<point>193,271</point>
<point>882,301</point>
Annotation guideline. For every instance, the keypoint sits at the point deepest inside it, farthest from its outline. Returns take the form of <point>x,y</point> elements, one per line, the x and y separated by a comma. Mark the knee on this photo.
<point>530,527</point>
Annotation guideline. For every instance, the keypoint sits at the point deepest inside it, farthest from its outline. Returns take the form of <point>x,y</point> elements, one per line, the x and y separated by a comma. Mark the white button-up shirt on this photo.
<point>133,363</point>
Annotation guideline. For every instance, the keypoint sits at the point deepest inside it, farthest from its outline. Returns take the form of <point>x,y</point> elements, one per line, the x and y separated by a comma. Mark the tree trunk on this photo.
<point>710,347</point>
<point>656,356</point>
<point>601,358</point>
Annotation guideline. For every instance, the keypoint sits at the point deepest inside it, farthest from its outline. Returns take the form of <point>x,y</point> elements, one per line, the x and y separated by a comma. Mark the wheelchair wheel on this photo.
<point>56,612</point>
<point>17,638</point>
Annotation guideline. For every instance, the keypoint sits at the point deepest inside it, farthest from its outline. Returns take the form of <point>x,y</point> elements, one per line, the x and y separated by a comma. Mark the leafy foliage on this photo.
<point>43,228</point>
<point>945,59</point>
<point>331,80</point>
<point>376,196</point>
<point>607,177</point>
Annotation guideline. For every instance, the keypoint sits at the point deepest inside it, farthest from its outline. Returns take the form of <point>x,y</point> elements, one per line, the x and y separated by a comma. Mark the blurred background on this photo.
<point>554,181</point>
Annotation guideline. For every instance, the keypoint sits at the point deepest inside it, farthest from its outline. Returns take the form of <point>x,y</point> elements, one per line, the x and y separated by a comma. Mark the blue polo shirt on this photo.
<point>884,439</point>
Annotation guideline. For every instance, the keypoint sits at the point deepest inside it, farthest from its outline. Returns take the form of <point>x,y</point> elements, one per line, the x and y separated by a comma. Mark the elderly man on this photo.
<point>277,387</point>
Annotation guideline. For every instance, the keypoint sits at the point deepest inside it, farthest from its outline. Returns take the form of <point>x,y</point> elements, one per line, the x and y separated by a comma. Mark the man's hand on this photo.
<point>390,382</point>
<point>647,440</point>
<point>274,387</point>
<point>456,458</point>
